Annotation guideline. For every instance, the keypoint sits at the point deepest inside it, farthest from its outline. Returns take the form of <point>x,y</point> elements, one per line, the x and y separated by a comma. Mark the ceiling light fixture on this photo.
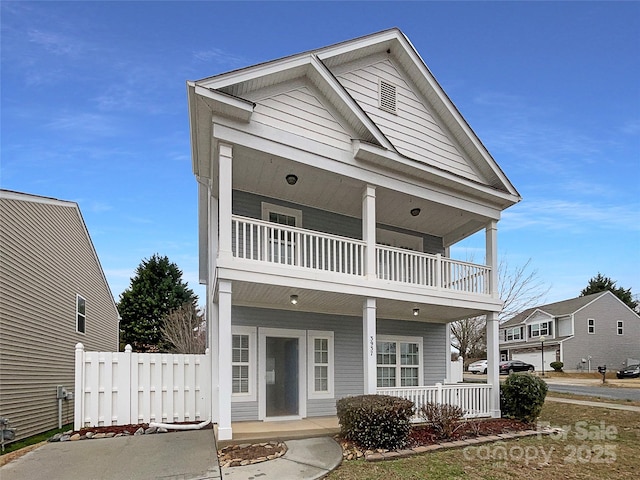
<point>294,299</point>
<point>415,212</point>
<point>416,312</point>
<point>292,179</point>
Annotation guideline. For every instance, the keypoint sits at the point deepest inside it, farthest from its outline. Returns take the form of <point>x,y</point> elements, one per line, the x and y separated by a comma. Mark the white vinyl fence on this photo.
<point>122,388</point>
<point>457,371</point>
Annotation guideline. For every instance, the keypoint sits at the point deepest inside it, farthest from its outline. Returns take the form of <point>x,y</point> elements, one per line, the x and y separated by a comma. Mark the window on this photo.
<point>320,364</point>
<point>399,361</point>
<point>281,241</point>
<point>243,365</point>
<point>591,325</point>
<point>511,334</point>
<point>539,329</point>
<point>81,314</point>
<point>620,327</point>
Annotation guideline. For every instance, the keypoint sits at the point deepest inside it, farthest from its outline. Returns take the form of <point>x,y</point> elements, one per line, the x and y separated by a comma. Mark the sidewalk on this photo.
<point>614,406</point>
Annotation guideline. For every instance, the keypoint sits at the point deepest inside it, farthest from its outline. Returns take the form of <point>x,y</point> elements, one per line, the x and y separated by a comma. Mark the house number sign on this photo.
<point>371,346</point>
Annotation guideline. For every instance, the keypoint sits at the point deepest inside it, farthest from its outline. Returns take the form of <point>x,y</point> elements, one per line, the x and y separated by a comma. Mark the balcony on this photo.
<point>272,243</point>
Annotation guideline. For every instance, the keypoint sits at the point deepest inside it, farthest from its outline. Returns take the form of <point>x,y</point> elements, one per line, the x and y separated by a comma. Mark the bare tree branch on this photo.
<point>185,330</point>
<point>519,288</point>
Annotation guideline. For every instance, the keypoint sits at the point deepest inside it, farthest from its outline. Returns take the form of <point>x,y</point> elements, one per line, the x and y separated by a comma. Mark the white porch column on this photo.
<point>491,238</point>
<point>369,230</point>
<point>447,352</point>
<point>493,359</point>
<point>225,156</point>
<point>369,345</point>
<point>224,359</point>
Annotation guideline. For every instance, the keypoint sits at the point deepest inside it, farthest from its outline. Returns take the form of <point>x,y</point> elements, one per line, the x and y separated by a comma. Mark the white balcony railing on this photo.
<point>274,243</point>
<point>473,399</point>
<point>407,266</point>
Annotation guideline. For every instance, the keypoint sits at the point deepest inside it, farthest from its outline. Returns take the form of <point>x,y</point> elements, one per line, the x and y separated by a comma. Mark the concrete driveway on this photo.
<point>169,456</point>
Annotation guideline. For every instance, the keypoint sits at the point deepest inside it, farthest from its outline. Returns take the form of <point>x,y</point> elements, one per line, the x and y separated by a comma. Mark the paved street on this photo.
<point>602,391</point>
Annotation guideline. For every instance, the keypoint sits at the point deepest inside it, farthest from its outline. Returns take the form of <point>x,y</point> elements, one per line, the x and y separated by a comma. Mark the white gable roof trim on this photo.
<point>317,66</point>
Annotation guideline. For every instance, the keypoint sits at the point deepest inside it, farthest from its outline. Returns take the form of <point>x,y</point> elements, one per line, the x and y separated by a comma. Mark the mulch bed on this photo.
<point>424,435</point>
<point>129,429</point>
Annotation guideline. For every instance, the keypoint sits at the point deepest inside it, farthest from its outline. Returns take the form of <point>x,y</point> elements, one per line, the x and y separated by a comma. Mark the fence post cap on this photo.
<point>128,348</point>
<point>79,346</point>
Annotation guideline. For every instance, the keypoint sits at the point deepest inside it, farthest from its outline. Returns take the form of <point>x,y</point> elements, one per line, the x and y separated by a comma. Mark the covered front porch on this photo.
<point>474,399</point>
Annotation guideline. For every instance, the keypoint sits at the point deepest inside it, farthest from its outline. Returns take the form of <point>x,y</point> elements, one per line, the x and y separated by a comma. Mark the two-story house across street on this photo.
<point>582,333</point>
<point>332,185</point>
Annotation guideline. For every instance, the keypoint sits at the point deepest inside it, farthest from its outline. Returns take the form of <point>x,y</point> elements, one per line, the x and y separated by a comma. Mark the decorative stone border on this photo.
<point>71,437</point>
<point>227,459</point>
<point>379,456</point>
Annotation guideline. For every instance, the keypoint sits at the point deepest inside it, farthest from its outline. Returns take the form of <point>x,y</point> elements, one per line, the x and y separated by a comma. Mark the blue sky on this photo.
<point>94,110</point>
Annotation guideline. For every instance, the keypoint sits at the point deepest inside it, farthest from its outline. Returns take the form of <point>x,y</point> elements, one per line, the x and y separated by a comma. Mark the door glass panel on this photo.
<point>281,376</point>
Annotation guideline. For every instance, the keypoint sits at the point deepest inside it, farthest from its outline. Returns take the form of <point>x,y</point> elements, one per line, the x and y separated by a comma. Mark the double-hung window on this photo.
<point>320,364</point>
<point>280,242</point>
<point>399,361</point>
<point>514,333</point>
<point>81,314</point>
<point>540,329</point>
<point>591,325</point>
<point>243,364</point>
<point>620,327</point>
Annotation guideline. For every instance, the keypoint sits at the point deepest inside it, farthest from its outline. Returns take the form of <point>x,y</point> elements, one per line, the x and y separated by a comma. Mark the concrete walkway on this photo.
<point>167,456</point>
<point>305,459</point>
<point>170,456</point>
<point>614,406</point>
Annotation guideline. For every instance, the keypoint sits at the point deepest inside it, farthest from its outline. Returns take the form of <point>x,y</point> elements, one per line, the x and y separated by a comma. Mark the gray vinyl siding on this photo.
<point>301,111</point>
<point>348,376</point>
<point>415,130</point>
<point>605,346</point>
<point>46,258</point>
<point>250,205</point>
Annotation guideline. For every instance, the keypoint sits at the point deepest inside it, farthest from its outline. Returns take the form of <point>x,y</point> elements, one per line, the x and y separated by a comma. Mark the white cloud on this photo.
<point>571,216</point>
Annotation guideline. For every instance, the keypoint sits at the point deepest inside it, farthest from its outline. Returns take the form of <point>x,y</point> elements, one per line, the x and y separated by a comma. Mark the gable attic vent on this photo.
<point>387,96</point>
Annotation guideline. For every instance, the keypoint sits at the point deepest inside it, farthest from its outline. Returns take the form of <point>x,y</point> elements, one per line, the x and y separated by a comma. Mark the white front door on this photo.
<point>283,377</point>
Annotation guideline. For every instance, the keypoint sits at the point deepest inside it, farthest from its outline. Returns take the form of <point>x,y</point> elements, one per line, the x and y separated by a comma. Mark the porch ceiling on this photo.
<point>265,175</point>
<point>278,297</point>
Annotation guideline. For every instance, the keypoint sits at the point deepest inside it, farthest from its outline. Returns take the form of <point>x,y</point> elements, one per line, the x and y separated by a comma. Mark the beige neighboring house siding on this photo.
<point>414,130</point>
<point>46,259</point>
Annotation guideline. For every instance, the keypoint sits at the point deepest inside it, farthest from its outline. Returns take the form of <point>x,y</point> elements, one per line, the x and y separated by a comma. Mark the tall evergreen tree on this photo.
<point>155,290</point>
<point>600,283</point>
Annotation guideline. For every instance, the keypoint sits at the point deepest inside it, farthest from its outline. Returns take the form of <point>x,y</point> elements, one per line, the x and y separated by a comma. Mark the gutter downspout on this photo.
<point>174,426</point>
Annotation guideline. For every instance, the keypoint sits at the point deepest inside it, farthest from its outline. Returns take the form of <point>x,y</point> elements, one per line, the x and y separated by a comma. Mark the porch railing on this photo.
<point>284,245</point>
<point>275,243</point>
<point>407,266</point>
<point>473,399</point>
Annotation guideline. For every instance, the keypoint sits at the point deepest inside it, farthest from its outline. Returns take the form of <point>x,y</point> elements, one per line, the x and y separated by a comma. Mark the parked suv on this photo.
<point>631,371</point>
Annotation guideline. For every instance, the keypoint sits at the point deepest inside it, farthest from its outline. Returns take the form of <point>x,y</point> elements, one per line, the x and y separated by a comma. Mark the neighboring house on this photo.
<point>332,185</point>
<point>583,333</point>
<point>53,295</point>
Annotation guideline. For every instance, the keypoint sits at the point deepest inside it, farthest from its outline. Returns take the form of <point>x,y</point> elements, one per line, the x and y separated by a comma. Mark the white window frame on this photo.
<point>312,393</point>
<point>540,333</point>
<point>268,208</point>
<point>398,340</point>
<point>512,331</point>
<point>83,315</point>
<point>620,327</point>
<point>251,395</point>
<point>591,326</point>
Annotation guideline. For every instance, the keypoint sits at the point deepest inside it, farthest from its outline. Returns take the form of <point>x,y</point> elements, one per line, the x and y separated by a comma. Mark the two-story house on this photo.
<point>53,295</point>
<point>583,333</point>
<point>332,185</point>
